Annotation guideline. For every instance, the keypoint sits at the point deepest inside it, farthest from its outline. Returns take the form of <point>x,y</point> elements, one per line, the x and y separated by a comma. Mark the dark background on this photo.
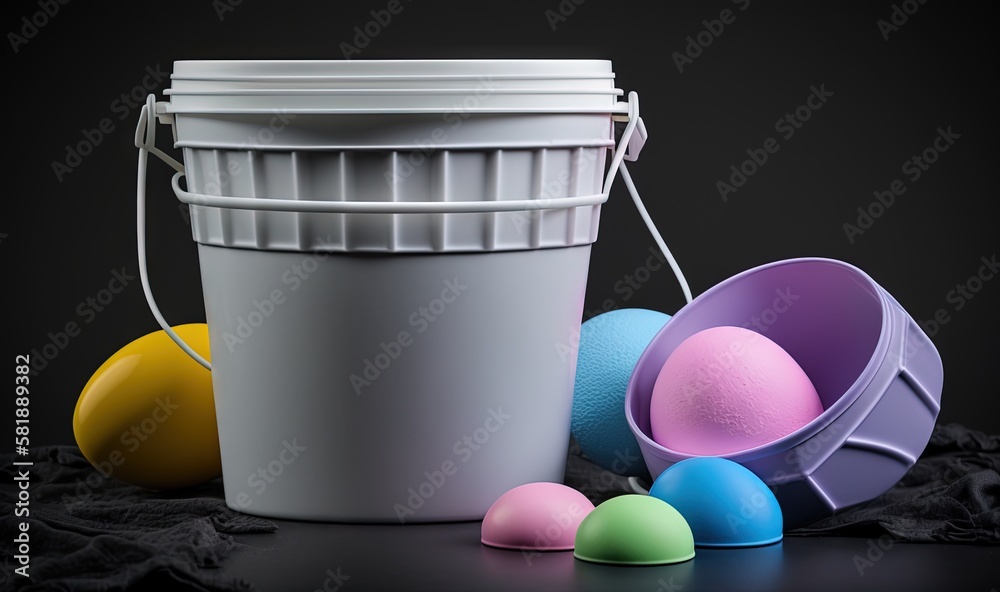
<point>60,240</point>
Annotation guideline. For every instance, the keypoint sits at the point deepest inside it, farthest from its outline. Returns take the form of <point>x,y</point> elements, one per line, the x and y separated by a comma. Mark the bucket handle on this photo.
<point>633,138</point>
<point>145,141</point>
<point>631,143</point>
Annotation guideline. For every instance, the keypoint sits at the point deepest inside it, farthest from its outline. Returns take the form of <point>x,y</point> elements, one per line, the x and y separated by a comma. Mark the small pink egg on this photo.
<point>536,516</point>
<point>728,389</point>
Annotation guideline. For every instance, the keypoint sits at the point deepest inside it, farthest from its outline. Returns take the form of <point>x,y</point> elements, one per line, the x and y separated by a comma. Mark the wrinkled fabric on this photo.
<point>88,533</point>
<point>951,495</point>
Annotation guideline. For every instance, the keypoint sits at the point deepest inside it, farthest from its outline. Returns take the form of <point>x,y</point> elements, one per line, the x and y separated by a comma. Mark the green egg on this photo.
<point>634,530</point>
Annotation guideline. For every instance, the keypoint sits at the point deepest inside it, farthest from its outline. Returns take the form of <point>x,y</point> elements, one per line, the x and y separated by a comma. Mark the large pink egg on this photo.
<point>728,389</point>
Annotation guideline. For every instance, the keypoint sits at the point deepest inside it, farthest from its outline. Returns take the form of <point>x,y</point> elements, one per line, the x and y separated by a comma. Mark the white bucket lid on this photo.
<point>393,86</point>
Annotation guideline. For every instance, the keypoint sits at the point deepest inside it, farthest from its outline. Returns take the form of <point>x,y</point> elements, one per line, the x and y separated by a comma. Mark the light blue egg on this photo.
<point>610,346</point>
<point>725,503</point>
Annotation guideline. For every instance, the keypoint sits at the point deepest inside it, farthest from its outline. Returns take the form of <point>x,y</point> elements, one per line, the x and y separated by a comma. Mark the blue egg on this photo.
<point>725,503</point>
<point>610,346</point>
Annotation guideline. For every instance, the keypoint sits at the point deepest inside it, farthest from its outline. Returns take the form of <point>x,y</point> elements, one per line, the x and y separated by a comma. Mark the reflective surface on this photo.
<point>307,556</point>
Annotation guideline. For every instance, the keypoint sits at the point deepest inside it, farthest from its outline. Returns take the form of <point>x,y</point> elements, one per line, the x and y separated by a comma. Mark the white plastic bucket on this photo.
<point>394,257</point>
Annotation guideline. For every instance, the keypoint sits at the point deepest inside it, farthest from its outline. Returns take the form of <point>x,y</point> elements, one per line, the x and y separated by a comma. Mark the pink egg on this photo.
<point>728,389</point>
<point>538,516</point>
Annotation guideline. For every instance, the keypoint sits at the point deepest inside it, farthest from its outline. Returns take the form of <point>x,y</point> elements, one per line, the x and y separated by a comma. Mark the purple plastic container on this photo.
<point>877,373</point>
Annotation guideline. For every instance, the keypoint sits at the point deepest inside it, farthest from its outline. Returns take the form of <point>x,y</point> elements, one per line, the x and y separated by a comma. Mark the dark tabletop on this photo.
<point>310,556</point>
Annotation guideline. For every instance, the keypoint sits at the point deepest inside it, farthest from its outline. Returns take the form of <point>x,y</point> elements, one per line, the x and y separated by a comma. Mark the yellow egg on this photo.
<point>147,416</point>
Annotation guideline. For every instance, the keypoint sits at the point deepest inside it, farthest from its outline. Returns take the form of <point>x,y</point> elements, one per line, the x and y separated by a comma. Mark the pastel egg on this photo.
<point>536,516</point>
<point>729,389</point>
<point>725,503</point>
<point>634,529</point>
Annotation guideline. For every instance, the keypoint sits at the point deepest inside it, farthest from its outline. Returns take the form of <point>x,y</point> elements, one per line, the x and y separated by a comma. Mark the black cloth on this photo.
<point>951,494</point>
<point>88,533</point>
